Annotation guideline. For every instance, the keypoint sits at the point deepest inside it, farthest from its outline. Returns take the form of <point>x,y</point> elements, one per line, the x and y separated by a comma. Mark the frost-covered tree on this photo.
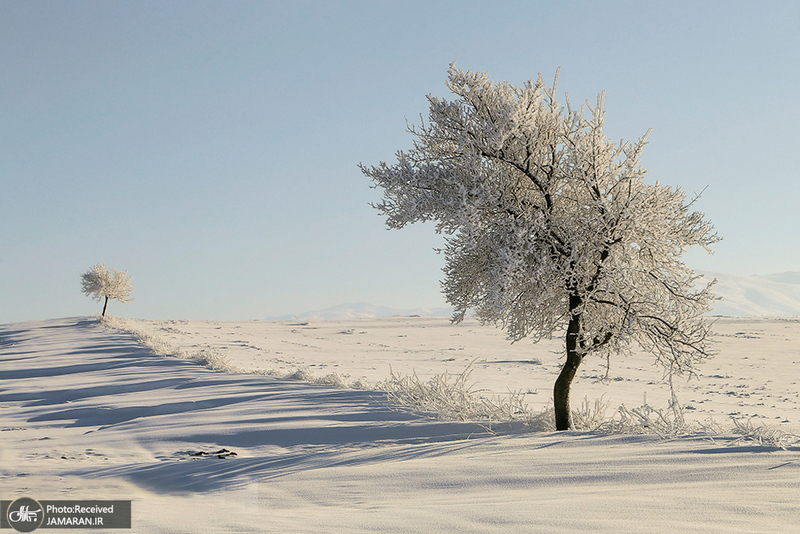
<point>550,227</point>
<point>100,283</point>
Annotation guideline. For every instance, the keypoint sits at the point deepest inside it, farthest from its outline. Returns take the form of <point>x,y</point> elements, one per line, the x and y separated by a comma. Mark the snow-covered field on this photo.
<point>88,412</point>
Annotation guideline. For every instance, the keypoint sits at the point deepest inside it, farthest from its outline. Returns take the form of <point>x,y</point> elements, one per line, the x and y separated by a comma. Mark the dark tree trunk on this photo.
<point>105,305</point>
<point>564,380</point>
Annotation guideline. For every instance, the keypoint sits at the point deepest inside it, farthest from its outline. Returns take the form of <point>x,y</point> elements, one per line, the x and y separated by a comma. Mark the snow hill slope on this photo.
<point>774,295</point>
<point>89,413</point>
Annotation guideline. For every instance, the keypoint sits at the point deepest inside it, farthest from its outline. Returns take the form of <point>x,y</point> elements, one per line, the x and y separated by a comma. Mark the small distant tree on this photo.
<point>550,227</point>
<point>101,283</point>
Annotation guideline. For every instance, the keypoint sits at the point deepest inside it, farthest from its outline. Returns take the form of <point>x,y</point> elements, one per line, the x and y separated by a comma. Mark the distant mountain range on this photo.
<point>772,295</point>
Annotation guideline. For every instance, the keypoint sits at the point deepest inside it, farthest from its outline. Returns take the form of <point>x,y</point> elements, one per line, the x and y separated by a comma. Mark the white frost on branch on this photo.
<point>102,283</point>
<point>549,224</point>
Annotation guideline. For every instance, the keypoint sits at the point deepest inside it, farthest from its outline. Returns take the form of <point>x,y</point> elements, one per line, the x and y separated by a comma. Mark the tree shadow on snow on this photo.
<point>116,392</point>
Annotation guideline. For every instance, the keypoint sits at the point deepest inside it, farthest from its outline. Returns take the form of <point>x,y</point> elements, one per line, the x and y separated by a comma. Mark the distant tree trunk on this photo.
<point>564,380</point>
<point>105,305</point>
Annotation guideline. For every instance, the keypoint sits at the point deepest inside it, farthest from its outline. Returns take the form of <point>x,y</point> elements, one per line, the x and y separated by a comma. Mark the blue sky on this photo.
<point>211,148</point>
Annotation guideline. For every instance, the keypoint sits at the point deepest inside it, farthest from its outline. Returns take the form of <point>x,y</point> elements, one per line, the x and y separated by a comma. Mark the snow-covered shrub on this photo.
<point>301,374</point>
<point>336,380</point>
<point>590,416</point>
<point>764,436</point>
<point>212,359</point>
<point>644,420</point>
<point>453,398</point>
